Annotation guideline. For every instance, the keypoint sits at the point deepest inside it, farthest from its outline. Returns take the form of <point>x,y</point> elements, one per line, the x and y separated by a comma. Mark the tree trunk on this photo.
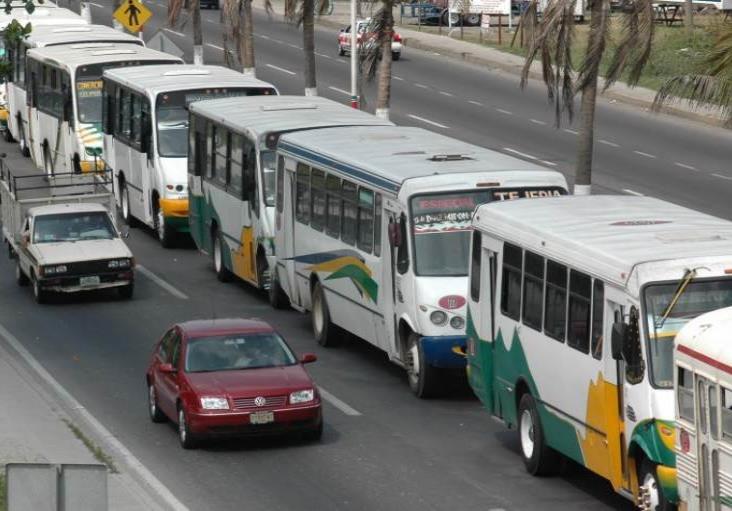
<point>689,16</point>
<point>246,36</point>
<point>195,7</point>
<point>383,94</point>
<point>308,44</point>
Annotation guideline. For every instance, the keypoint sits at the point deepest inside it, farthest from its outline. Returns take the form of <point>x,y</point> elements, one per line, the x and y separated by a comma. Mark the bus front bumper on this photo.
<point>92,166</point>
<point>440,351</point>
<point>175,212</point>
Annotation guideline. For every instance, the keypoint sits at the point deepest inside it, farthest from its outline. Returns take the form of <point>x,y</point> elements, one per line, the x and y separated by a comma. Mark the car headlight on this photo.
<point>457,323</point>
<point>54,270</point>
<point>118,263</point>
<point>302,396</point>
<point>439,318</point>
<point>214,403</point>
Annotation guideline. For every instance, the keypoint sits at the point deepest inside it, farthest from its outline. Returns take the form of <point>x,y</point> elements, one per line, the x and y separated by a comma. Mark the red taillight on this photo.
<point>397,38</point>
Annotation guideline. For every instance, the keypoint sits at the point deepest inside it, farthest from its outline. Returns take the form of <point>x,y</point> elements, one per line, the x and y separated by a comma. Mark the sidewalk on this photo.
<point>495,59</point>
<point>34,428</point>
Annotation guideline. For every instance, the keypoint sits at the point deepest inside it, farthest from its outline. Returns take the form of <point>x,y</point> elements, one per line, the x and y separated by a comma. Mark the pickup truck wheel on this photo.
<point>20,277</point>
<point>40,294</point>
<point>126,292</point>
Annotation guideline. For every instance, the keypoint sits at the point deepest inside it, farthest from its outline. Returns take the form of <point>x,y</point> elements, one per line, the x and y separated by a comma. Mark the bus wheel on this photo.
<point>47,161</point>
<point>539,458</point>
<point>423,377</point>
<point>222,272</point>
<point>164,232</point>
<point>125,206</point>
<point>651,496</point>
<point>324,330</point>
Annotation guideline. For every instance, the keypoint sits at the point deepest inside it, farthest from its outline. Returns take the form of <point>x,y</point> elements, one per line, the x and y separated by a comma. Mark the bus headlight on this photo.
<point>457,323</point>
<point>439,318</point>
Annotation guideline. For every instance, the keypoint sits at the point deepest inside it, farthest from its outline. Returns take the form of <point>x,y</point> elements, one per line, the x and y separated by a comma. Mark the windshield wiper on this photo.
<point>688,277</point>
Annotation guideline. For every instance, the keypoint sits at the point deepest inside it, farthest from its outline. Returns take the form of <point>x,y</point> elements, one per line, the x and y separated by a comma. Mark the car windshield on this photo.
<point>269,168</point>
<point>94,225</point>
<point>236,352</point>
<point>441,226</point>
<point>172,114</point>
<point>697,298</point>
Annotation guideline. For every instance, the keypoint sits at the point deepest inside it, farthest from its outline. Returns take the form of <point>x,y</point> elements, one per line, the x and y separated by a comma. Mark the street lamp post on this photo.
<point>354,57</point>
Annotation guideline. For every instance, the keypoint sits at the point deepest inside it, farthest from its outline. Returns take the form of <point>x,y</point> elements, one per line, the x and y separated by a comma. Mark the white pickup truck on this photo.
<point>60,231</point>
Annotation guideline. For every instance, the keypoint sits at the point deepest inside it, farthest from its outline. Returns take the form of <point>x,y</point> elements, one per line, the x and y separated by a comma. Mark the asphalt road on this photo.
<point>398,452</point>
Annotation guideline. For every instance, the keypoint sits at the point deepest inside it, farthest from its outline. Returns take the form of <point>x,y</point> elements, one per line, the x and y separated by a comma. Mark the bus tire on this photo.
<point>76,163</point>
<point>222,272</point>
<point>275,294</point>
<point>47,161</point>
<point>125,211</point>
<point>22,143</point>
<point>324,331</point>
<point>20,277</point>
<point>651,495</point>
<point>165,234</point>
<point>539,458</point>
<point>8,136</point>
<point>423,378</point>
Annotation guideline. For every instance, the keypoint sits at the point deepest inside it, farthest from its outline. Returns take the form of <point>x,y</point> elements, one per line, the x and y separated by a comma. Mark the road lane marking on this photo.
<point>340,90</point>
<point>641,153</point>
<point>631,192</point>
<point>504,111</point>
<point>607,142</point>
<point>571,132</point>
<point>215,47</point>
<point>536,121</point>
<point>519,153</point>
<point>420,86</point>
<point>446,94</point>
<point>96,5</point>
<point>685,166</point>
<point>397,78</point>
<point>427,121</point>
<point>162,283</point>
<point>550,163</point>
<point>179,34</point>
<point>323,55</point>
<point>345,408</point>
<point>265,37</point>
<point>722,176</point>
<point>294,46</point>
<point>476,103</point>
<point>281,69</point>
<point>103,433</point>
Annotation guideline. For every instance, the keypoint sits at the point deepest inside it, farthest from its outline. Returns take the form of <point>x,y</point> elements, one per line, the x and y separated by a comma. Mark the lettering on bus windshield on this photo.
<point>89,89</point>
<point>527,193</point>
<point>184,98</point>
<point>443,213</point>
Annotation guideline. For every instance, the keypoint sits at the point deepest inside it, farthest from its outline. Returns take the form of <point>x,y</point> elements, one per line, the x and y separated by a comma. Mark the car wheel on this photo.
<point>472,20</point>
<point>156,414</point>
<point>126,292</point>
<point>186,438</point>
<point>222,273</point>
<point>40,294</point>
<point>341,51</point>
<point>165,234</point>
<point>277,297</point>
<point>315,434</point>
<point>651,495</point>
<point>126,213</point>
<point>20,277</point>
<point>423,378</point>
<point>323,329</point>
<point>396,55</point>
<point>539,458</point>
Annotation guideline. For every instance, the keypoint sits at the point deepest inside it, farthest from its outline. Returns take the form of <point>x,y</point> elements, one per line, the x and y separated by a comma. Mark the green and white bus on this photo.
<point>65,100</point>
<point>373,235</point>
<point>145,119</point>
<point>60,32</point>
<point>574,303</point>
<point>231,174</point>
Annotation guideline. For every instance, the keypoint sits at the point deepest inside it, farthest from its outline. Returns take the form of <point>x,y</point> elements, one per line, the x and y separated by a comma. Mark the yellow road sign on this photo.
<point>133,15</point>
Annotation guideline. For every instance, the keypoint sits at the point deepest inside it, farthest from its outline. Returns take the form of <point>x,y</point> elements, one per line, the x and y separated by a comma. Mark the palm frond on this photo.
<point>697,91</point>
<point>599,34</point>
<point>369,54</point>
<point>634,48</point>
<point>719,60</point>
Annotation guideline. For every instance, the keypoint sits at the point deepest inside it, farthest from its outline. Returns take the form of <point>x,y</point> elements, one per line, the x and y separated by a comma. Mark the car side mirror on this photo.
<point>25,238</point>
<point>395,234</point>
<point>619,339</point>
<point>167,368</point>
<point>124,234</point>
<point>308,358</point>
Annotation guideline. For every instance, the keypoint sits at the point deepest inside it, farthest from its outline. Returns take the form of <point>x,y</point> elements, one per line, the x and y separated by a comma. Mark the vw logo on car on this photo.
<point>260,401</point>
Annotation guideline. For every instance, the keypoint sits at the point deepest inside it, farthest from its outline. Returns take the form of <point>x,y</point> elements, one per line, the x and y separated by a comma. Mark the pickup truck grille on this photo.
<point>89,268</point>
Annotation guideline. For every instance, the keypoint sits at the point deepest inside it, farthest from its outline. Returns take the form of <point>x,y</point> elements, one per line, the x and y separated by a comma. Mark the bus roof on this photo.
<point>607,235</point>
<point>259,115</point>
<point>74,55</point>
<point>706,339</point>
<point>42,15</point>
<point>388,156</point>
<point>51,35</point>
<point>171,77</point>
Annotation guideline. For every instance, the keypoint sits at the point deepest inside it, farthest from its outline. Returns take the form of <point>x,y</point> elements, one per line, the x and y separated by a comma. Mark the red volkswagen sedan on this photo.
<point>230,377</point>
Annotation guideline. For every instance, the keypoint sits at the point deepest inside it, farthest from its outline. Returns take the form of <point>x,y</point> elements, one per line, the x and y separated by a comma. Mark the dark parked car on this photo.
<point>209,4</point>
<point>231,377</point>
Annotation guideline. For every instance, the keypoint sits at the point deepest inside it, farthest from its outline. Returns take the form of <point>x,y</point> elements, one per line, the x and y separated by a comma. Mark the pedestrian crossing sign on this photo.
<point>133,15</point>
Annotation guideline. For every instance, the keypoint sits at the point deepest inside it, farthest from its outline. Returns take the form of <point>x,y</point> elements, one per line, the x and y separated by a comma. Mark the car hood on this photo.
<point>267,381</point>
<point>65,252</point>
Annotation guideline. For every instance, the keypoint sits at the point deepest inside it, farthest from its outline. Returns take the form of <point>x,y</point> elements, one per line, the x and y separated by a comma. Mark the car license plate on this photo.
<point>89,281</point>
<point>261,417</point>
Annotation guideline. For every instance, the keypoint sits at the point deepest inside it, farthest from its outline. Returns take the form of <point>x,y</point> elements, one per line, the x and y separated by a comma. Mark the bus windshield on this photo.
<point>441,226</point>
<point>89,100</point>
<point>172,115</point>
<point>696,298</point>
<point>269,167</point>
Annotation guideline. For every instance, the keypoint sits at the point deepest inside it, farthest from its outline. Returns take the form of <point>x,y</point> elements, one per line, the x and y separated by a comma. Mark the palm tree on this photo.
<point>175,7</point>
<point>712,86</point>
<point>239,28</point>
<point>376,58</point>
<point>302,12</point>
<point>551,37</point>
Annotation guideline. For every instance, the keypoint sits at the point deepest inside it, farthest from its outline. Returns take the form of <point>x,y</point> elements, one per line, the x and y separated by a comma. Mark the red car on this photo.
<point>364,33</point>
<point>231,377</point>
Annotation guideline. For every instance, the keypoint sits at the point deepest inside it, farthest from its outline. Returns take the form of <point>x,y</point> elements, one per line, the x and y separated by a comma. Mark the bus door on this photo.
<point>386,325</point>
<point>196,169</point>
<point>398,266</point>
<point>707,431</point>
<point>144,158</point>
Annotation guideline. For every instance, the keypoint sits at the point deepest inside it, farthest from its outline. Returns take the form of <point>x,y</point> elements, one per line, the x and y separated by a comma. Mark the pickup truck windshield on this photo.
<point>94,225</point>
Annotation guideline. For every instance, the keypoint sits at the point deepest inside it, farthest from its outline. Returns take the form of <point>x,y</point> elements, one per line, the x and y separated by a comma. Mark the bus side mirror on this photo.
<point>619,339</point>
<point>395,234</point>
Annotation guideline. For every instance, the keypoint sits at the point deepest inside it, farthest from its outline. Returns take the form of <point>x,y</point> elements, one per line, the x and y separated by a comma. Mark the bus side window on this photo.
<point>685,396</point>
<point>208,172</point>
<point>146,128</point>
<point>236,174</point>
<point>334,205</point>
<point>533,290</point>
<point>365,220</point>
<point>511,286</point>
<point>20,54</point>
<point>377,224</point>
<point>280,183</point>
<point>302,194</point>
<point>135,121</point>
<point>403,250</point>
<point>317,199</point>
<point>475,255</point>
<point>580,298</point>
<point>349,227</point>
<point>67,98</point>
<point>221,156</point>
<point>726,409</point>
<point>107,107</point>
<point>598,305</point>
<point>555,301</point>
<point>125,116</point>
<point>250,176</point>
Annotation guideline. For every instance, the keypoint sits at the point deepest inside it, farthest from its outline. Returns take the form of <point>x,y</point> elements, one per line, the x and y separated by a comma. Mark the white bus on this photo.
<point>149,156</point>
<point>703,383</point>
<point>574,303</point>
<point>60,32</point>
<point>65,100</point>
<point>373,232</point>
<point>231,175</point>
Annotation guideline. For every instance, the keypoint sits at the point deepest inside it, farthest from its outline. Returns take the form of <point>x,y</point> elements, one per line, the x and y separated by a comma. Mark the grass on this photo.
<point>101,456</point>
<point>674,51</point>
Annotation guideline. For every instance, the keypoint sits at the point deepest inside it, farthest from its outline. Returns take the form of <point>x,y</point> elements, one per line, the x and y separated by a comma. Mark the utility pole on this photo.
<point>195,7</point>
<point>354,56</point>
